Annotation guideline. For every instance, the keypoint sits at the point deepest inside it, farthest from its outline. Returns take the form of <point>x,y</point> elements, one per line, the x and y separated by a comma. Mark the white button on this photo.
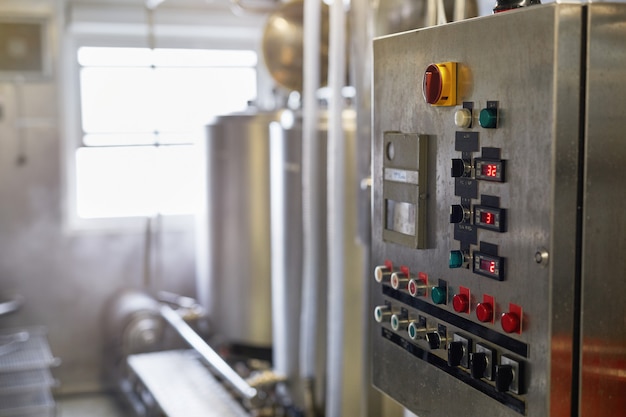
<point>463,117</point>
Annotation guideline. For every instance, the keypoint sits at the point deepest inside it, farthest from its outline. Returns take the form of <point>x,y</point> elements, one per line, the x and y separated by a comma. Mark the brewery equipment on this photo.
<point>497,149</point>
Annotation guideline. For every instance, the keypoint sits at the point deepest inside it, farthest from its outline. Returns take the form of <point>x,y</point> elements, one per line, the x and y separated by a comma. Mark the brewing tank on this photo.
<point>233,240</point>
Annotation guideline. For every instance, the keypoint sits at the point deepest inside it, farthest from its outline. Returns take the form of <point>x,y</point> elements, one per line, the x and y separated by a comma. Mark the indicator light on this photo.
<point>457,259</point>
<point>510,322</point>
<point>382,313</point>
<point>398,322</point>
<point>463,118</point>
<point>417,287</point>
<point>488,118</point>
<point>439,295</point>
<point>398,279</point>
<point>484,312</point>
<point>460,303</point>
<point>382,274</point>
<point>416,331</point>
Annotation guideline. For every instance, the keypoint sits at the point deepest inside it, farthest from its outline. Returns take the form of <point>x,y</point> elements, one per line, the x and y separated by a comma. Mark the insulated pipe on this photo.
<point>215,361</point>
<point>336,209</point>
<point>311,214</point>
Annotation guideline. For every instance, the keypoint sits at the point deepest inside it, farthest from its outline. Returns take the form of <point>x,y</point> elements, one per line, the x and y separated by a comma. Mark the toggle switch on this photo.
<point>509,376</point>
<point>504,377</point>
<point>459,214</point>
<point>459,351</point>
<point>436,339</point>
<point>460,168</point>
<point>456,350</point>
<point>482,362</point>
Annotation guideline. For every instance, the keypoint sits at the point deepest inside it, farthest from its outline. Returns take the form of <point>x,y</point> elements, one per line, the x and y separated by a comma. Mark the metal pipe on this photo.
<point>215,361</point>
<point>336,210</point>
<point>311,214</point>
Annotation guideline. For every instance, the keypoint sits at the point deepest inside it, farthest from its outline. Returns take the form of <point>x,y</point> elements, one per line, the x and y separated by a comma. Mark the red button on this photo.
<point>460,302</point>
<point>510,322</point>
<point>484,312</point>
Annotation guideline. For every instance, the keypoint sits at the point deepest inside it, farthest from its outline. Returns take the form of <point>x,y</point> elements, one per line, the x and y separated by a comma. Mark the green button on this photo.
<point>456,259</point>
<point>488,118</point>
<point>438,294</point>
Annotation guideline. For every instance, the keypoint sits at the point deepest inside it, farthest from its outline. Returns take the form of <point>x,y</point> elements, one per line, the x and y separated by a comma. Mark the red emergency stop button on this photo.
<point>440,83</point>
<point>510,322</point>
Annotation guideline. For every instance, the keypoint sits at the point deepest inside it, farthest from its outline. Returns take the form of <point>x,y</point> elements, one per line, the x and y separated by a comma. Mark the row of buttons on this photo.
<point>479,359</point>
<point>510,321</point>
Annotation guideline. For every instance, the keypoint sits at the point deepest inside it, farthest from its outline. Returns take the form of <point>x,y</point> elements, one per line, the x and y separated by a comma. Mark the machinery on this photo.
<point>497,207</point>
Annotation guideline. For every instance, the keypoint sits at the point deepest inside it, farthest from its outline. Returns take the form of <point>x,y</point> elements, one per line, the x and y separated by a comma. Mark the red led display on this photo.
<point>487,218</point>
<point>490,170</point>
<point>487,265</point>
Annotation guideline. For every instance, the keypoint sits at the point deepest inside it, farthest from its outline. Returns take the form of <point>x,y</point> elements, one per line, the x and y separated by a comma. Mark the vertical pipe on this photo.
<point>310,196</point>
<point>336,208</point>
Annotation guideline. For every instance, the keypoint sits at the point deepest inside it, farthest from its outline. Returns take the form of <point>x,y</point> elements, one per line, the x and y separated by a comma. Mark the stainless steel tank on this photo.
<point>233,258</point>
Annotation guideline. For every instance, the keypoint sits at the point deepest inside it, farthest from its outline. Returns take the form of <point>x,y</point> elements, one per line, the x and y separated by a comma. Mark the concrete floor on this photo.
<point>91,405</point>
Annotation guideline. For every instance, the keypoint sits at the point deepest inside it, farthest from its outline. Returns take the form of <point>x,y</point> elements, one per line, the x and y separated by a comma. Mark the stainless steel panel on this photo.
<point>529,62</point>
<point>603,317</point>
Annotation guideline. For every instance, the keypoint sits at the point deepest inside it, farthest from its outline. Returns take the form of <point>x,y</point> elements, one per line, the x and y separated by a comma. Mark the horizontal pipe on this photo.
<point>215,361</point>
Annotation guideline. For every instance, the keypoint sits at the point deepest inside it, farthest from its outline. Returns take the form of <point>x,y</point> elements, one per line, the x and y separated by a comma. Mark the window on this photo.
<point>142,111</point>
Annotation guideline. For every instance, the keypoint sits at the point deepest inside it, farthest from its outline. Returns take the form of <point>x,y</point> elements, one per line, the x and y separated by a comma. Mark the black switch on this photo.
<point>478,365</point>
<point>459,168</point>
<point>434,340</point>
<point>457,213</point>
<point>456,351</point>
<point>504,377</point>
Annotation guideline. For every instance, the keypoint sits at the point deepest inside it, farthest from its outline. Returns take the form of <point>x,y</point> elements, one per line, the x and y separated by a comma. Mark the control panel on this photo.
<point>477,168</point>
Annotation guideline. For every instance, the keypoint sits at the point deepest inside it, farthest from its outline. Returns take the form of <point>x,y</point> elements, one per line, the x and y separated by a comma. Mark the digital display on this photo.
<point>488,265</point>
<point>490,170</point>
<point>487,218</point>
<point>491,218</point>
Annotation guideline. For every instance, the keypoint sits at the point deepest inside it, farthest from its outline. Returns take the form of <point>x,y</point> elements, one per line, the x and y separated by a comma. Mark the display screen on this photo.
<point>490,170</point>
<point>491,218</point>
<point>489,265</point>
<point>487,218</point>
